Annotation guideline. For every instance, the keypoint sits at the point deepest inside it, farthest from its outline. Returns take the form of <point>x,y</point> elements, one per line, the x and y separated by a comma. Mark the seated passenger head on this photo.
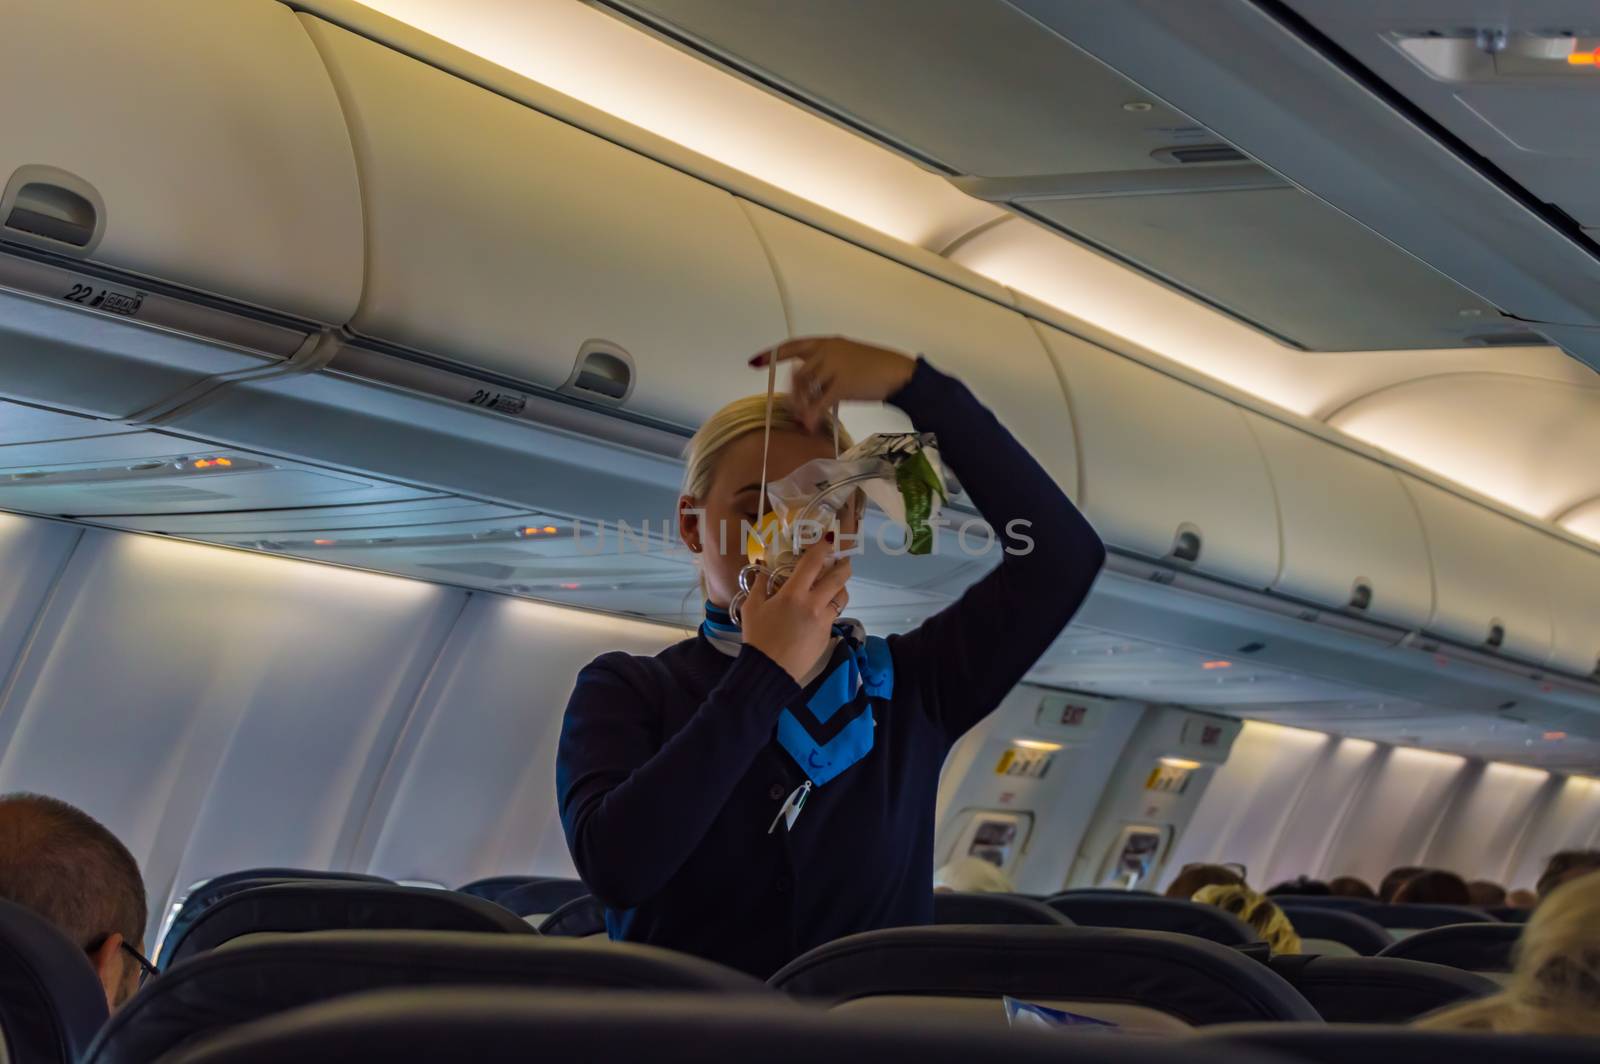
<point>1302,886</point>
<point>1555,979</point>
<point>1256,910</point>
<point>1485,894</point>
<point>1522,899</point>
<point>1564,866</point>
<point>1433,887</point>
<point>722,482</point>
<point>1351,887</point>
<point>1195,876</point>
<point>1395,880</point>
<point>64,865</point>
<point>972,874</point>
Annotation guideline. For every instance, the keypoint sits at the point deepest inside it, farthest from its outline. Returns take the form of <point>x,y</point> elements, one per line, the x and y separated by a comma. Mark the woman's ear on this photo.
<point>690,516</point>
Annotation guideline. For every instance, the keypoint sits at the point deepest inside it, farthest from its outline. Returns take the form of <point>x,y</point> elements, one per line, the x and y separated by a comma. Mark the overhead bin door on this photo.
<point>835,287</point>
<point>1488,574</point>
<point>1350,534</point>
<point>506,240</point>
<point>1168,470</point>
<point>196,142</point>
<point>1572,576</point>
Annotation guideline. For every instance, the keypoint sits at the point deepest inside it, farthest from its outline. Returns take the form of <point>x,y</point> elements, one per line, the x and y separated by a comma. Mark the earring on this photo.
<point>694,548</point>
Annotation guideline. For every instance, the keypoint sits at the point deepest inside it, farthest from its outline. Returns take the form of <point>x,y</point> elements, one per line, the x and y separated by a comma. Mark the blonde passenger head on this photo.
<point>1555,980</point>
<point>1257,910</point>
<point>737,419</point>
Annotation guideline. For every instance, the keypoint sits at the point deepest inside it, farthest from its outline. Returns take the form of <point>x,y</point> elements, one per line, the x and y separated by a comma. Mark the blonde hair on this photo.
<point>1257,910</point>
<point>737,420</point>
<point>1555,982</point>
<point>973,874</point>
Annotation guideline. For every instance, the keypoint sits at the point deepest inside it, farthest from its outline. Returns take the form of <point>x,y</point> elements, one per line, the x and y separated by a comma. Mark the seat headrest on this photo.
<point>578,918</point>
<point>275,973</point>
<point>1194,980</point>
<point>1321,901</point>
<point>332,906</point>
<point>1417,915</point>
<point>955,907</point>
<point>51,1001</point>
<point>216,888</point>
<point>544,896</point>
<point>491,887</point>
<point>1338,1044</point>
<point>1355,931</point>
<point>1152,913</point>
<point>1377,989</point>
<point>497,1026</point>
<point>1506,914</point>
<point>1475,947</point>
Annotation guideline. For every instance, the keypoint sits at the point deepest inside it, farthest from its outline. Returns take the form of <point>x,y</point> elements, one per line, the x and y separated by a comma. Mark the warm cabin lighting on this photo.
<point>207,463</point>
<point>570,587</point>
<point>323,542</point>
<point>1035,744</point>
<point>1216,664</point>
<point>1554,736</point>
<point>1178,762</point>
<point>1584,58</point>
<point>549,528</point>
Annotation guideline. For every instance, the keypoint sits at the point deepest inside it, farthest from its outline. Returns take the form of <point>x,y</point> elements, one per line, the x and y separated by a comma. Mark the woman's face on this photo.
<point>731,500</point>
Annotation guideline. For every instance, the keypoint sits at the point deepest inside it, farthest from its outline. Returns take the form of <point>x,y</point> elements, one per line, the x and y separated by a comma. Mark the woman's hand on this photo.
<point>792,626</point>
<point>833,369</point>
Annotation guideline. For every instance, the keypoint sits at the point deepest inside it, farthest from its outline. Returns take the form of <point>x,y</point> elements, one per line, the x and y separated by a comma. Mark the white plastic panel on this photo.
<point>503,238</point>
<point>369,517</point>
<point>1572,577</point>
<point>153,473</point>
<point>1478,837</point>
<point>211,134</point>
<point>1569,821</point>
<point>1394,814</point>
<point>1487,570</point>
<point>1346,521</point>
<point>835,287</point>
<point>33,553</point>
<point>1161,458</point>
<point>30,424</point>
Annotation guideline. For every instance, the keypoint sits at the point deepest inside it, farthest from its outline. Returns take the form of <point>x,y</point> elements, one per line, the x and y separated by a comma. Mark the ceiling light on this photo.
<point>1554,736</point>
<point>1035,744</point>
<point>1216,664</point>
<point>1178,762</point>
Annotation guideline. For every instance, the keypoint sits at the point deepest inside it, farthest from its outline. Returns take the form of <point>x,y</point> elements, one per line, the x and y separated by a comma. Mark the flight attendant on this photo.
<point>763,788</point>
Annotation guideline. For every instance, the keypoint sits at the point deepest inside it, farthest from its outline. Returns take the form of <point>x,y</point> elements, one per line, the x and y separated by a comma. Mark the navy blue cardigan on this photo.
<point>668,775</point>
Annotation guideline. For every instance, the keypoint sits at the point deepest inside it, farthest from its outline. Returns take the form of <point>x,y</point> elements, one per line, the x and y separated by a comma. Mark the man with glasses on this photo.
<point>64,865</point>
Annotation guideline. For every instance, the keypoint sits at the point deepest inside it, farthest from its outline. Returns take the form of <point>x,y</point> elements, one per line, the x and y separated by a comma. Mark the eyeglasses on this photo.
<point>146,969</point>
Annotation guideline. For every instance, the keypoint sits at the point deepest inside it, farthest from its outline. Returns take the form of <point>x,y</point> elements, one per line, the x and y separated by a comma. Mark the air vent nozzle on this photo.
<point>1497,635</point>
<point>1192,154</point>
<point>1361,595</point>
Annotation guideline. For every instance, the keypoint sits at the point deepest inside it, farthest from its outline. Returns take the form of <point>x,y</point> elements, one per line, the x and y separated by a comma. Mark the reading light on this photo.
<point>549,528</point>
<point>1216,664</point>
<point>1178,762</point>
<point>1035,744</point>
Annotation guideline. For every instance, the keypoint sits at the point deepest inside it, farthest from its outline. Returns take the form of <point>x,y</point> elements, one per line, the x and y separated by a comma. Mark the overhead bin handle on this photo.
<point>1186,543</point>
<point>1361,594</point>
<point>49,207</point>
<point>603,373</point>
<point>1497,634</point>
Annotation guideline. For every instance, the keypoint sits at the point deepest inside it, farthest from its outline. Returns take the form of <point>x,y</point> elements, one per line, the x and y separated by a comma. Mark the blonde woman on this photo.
<point>753,792</point>
<point>1555,982</point>
<point>1257,910</point>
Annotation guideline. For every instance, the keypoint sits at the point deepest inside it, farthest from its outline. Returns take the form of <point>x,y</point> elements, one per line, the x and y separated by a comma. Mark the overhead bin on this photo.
<point>368,518</point>
<point>506,240</point>
<point>32,424</point>
<point>1572,579</point>
<point>834,287</point>
<point>1351,538</point>
<point>193,142</point>
<point>1488,574</point>
<point>1168,471</point>
<point>153,473</point>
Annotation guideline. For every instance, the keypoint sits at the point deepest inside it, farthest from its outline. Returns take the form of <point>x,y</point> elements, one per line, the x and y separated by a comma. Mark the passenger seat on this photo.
<point>956,907</point>
<point>1407,919</point>
<point>215,889</point>
<point>1147,912</point>
<point>1377,989</point>
<point>536,900</point>
<point>1484,948</point>
<point>1337,933</point>
<point>581,917</point>
<point>51,1000</point>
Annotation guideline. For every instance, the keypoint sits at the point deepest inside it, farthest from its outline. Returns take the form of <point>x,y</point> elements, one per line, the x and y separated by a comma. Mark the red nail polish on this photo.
<point>759,360</point>
<point>830,537</point>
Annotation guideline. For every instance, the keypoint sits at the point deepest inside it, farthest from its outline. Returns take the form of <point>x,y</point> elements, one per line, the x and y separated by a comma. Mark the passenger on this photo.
<point>1351,887</point>
<point>1256,910</point>
<point>1555,978</point>
<point>1195,876</point>
<point>1433,887</point>
<point>1302,886</point>
<point>60,862</point>
<point>1395,880</point>
<point>1568,864</point>
<point>972,874</point>
<point>1522,899</point>
<point>1486,895</point>
<point>685,780</point>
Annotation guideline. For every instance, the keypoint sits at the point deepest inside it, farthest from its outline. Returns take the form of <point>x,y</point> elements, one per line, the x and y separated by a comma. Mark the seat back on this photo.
<point>1377,989</point>
<point>1148,980</point>
<point>334,906</point>
<point>1339,1044</point>
<point>583,917</point>
<point>1408,919</point>
<point>501,1026</point>
<point>490,888</point>
<point>1152,913</point>
<point>271,974</point>
<point>1337,933</point>
<point>541,897</point>
<point>218,887</point>
<point>955,907</point>
<point>1508,915</point>
<point>51,1001</point>
<point>1321,901</point>
<point>1472,947</point>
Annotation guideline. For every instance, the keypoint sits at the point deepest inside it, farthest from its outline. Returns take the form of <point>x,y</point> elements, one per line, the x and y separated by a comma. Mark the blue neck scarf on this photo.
<point>830,726</point>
